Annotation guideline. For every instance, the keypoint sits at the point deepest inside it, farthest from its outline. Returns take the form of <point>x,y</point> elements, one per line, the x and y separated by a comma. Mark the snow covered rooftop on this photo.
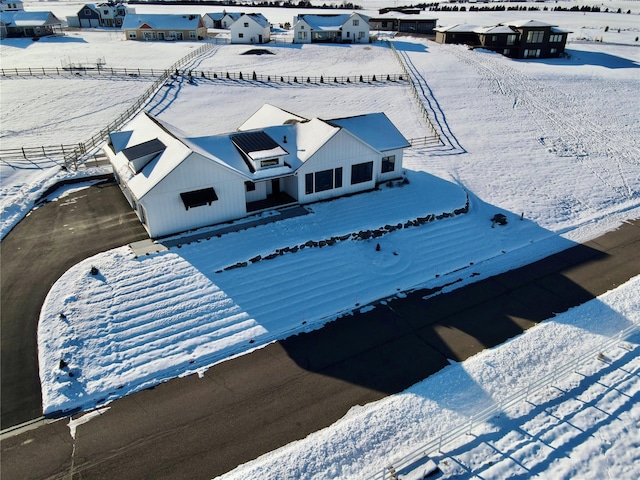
<point>327,22</point>
<point>162,21</point>
<point>29,19</point>
<point>528,23</point>
<point>269,115</point>
<point>375,129</point>
<point>459,28</point>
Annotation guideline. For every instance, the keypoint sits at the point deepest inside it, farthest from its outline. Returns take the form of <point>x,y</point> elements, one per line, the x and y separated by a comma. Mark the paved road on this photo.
<point>33,256</point>
<point>201,427</point>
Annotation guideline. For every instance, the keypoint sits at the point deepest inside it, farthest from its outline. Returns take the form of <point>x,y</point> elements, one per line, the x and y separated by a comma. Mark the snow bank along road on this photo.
<point>201,427</point>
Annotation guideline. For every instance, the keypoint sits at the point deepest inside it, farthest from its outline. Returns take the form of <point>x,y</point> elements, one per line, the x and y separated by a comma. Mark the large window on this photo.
<point>322,181</point>
<point>362,172</point>
<point>511,39</point>
<point>535,36</point>
<point>532,53</point>
<point>555,38</point>
<point>356,22</point>
<point>388,163</point>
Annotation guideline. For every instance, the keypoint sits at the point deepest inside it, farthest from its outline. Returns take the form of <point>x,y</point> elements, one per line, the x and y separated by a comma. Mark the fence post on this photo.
<point>24,154</point>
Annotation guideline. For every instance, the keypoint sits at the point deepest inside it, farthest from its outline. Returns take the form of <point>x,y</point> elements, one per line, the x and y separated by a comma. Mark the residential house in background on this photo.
<point>229,18</point>
<point>520,39</point>
<point>393,21</point>
<point>330,28</point>
<point>87,17</point>
<point>112,14</point>
<point>109,14</point>
<point>28,24</point>
<point>11,6</point>
<point>220,20</point>
<point>251,28</point>
<point>177,183</point>
<point>164,27</point>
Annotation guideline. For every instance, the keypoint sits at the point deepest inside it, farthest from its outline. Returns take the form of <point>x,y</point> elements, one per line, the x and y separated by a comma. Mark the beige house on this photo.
<point>164,27</point>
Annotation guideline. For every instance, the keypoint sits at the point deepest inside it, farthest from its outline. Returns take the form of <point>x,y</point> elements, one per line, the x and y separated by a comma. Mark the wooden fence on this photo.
<point>416,94</point>
<point>72,155</point>
<point>194,74</point>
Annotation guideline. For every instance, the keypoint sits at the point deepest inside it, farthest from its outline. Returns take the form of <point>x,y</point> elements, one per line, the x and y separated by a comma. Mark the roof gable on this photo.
<point>375,129</point>
<point>268,115</point>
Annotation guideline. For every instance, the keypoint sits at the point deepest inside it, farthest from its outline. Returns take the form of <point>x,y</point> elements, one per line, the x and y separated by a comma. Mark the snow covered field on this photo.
<point>553,140</point>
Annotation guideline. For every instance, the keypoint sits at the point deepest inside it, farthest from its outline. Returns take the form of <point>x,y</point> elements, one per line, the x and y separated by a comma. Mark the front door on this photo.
<point>275,186</point>
<point>259,38</point>
<point>160,35</point>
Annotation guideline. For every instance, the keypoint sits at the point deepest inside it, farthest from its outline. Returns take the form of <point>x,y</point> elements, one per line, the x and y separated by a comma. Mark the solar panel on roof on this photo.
<point>151,147</point>
<point>253,142</point>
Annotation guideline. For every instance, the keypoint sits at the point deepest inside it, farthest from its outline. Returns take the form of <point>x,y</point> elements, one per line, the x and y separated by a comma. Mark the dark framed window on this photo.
<point>250,186</point>
<point>337,181</point>
<point>323,180</point>
<point>269,163</point>
<point>198,198</point>
<point>308,183</point>
<point>361,172</point>
<point>388,163</point>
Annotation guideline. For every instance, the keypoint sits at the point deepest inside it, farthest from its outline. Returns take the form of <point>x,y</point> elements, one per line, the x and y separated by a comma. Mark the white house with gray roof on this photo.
<point>177,183</point>
<point>164,27</point>
<point>251,28</point>
<point>331,28</point>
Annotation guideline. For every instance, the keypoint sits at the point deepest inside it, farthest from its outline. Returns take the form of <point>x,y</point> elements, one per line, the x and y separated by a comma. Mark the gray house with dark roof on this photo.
<point>520,39</point>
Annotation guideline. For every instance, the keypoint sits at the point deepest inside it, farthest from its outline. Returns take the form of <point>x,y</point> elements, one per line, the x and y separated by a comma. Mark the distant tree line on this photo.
<point>437,7</point>
<point>265,3</point>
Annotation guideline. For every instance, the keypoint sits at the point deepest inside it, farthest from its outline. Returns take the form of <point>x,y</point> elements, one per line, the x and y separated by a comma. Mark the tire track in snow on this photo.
<point>431,103</point>
<point>568,130</point>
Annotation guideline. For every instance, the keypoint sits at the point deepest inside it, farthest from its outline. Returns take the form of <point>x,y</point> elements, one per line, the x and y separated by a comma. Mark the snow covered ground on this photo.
<point>586,426</point>
<point>555,141</point>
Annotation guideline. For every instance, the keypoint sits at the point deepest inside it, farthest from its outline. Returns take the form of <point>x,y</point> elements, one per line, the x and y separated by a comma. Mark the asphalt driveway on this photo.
<point>33,256</point>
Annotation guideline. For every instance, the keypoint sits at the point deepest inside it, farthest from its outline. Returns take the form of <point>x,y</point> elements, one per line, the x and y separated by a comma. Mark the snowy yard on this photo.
<point>555,142</point>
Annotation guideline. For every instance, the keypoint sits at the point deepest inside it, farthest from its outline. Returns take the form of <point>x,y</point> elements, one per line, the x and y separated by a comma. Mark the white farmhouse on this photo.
<point>250,28</point>
<point>177,183</point>
<point>331,28</point>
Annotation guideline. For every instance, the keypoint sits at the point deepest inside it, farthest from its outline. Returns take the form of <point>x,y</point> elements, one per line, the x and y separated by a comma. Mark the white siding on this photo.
<point>397,172</point>
<point>351,32</point>
<point>260,193</point>
<point>343,150</point>
<point>165,211</point>
<point>301,26</point>
<point>250,34</point>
